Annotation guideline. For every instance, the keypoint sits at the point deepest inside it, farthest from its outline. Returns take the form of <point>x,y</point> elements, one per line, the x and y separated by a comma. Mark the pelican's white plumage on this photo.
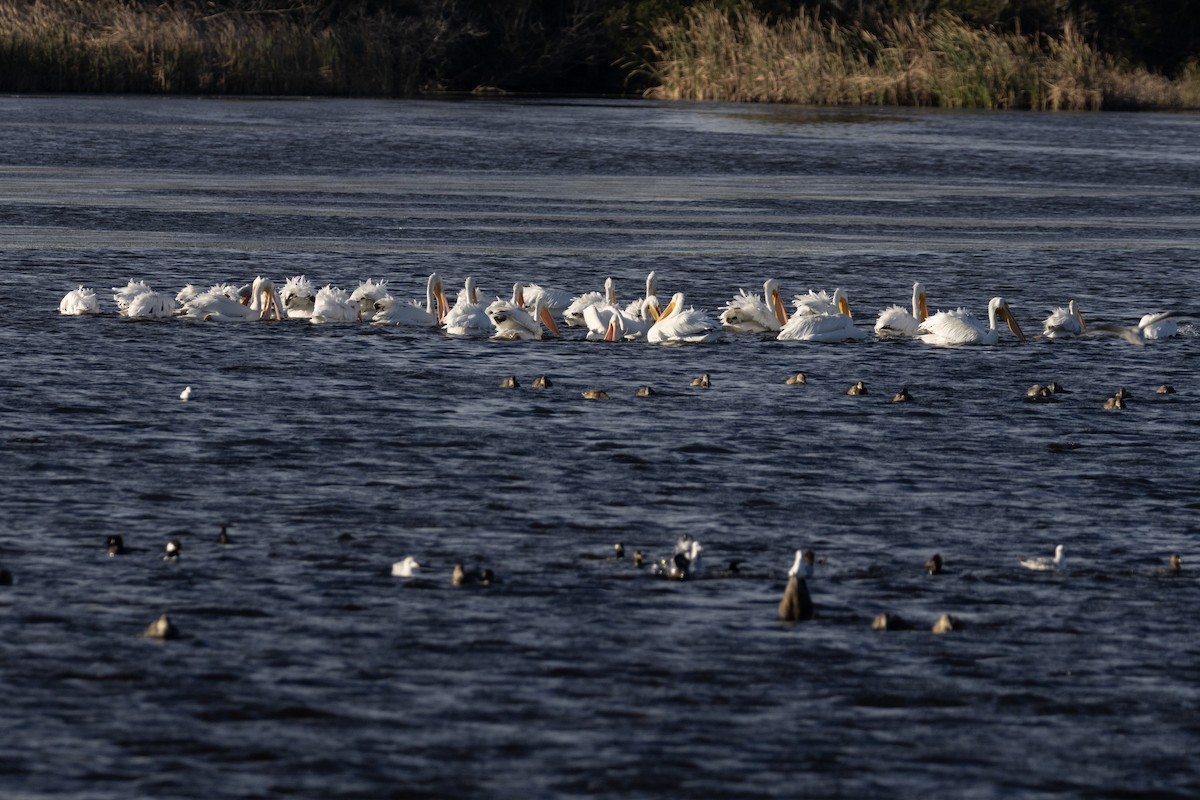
<point>372,296</point>
<point>749,313</point>
<point>467,317</point>
<point>137,300</point>
<point>1064,322</point>
<point>803,566</point>
<point>334,305</point>
<point>553,300</point>
<point>78,302</point>
<point>899,321</point>
<point>1059,561</point>
<point>1158,325</point>
<point>635,306</point>
<point>820,302</point>
<point>222,303</point>
<point>405,568</point>
<point>573,315</point>
<point>821,318</point>
<point>299,297</point>
<point>959,327</point>
<point>679,325</point>
<point>389,311</point>
<point>512,321</point>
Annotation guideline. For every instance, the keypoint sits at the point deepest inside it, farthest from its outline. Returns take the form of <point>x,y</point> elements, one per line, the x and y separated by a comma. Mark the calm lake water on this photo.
<point>305,669</point>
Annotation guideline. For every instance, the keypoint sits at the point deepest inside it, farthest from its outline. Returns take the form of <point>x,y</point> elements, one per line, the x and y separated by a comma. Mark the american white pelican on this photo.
<point>514,322</point>
<point>222,303</point>
<point>635,307</point>
<point>186,394</point>
<point>137,300</point>
<point>821,303</point>
<point>78,302</point>
<point>389,311</point>
<point>899,321</point>
<point>467,317</point>
<point>406,568</point>
<point>679,325</point>
<point>553,300</point>
<point>934,565</point>
<point>299,296</point>
<point>334,305</point>
<point>1064,322</point>
<point>573,315</point>
<point>1059,562</point>
<point>1161,325</point>
<point>748,313</point>
<point>952,328</point>
<point>820,328</point>
<point>372,296</point>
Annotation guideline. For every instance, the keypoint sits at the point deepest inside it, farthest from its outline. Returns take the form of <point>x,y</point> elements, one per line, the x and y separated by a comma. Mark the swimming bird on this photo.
<point>798,378</point>
<point>644,391</point>
<point>946,624</point>
<point>1059,562</point>
<point>613,324</point>
<point>136,300</point>
<point>334,305</point>
<point>371,294</point>
<point>222,303</point>
<point>959,327</point>
<point>541,382</point>
<point>703,382</point>
<point>299,297</point>
<point>796,604</point>
<point>173,550</point>
<point>161,628</point>
<point>902,396</point>
<point>899,321</point>
<point>1064,322</point>
<point>857,389</point>
<point>467,317</point>
<point>650,299</point>
<point>79,302</point>
<point>679,325</point>
<point>1166,388</point>
<point>223,536</point>
<point>804,564</point>
<point>510,383</point>
<point>389,311</point>
<point>820,317</point>
<point>934,565</point>
<point>573,315</point>
<point>1176,567</point>
<point>748,313</point>
<point>684,564</point>
<point>1161,325</point>
<point>405,568</point>
<point>553,300</point>
<point>595,394</point>
<point>514,322</point>
<point>1115,403</point>
<point>472,577</point>
<point>887,621</point>
<point>186,394</point>
<point>115,545</point>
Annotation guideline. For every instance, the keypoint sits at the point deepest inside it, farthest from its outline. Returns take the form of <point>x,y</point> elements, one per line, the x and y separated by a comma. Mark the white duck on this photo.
<point>679,325</point>
<point>959,327</point>
<point>748,313</point>
<point>389,311</point>
<point>79,302</point>
<point>899,321</point>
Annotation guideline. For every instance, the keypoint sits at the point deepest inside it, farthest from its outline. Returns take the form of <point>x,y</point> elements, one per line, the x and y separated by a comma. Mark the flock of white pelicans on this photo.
<point>531,310</point>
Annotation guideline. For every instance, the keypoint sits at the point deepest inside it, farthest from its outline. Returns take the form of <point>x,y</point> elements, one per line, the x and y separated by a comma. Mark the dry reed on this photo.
<point>713,54</point>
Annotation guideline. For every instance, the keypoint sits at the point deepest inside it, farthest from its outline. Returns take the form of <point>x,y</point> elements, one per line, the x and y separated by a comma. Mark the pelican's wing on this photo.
<point>951,328</point>
<point>896,321</point>
<point>748,313</point>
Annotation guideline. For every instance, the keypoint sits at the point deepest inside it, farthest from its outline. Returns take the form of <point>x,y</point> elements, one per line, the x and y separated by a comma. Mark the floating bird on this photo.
<point>934,565</point>
<point>389,311</point>
<point>136,300</point>
<point>514,322</point>
<point>551,300</point>
<point>79,302</point>
<point>299,297</point>
<point>748,313</point>
<point>510,383</point>
<point>821,318</point>
<point>173,550</point>
<point>221,303</point>
<point>223,536</point>
<point>334,305</point>
<point>902,396</point>
<point>1176,567</point>
<point>639,558</point>
<point>684,564</point>
<point>704,382</point>
<point>887,621</point>
<point>1059,562</point>
<point>644,391</point>
<point>541,382</point>
<point>857,389</point>
<point>946,624</point>
<point>595,394</point>
<point>679,325</point>
<point>1064,322</point>
<point>186,394</point>
<point>372,296</point>
<point>1161,325</point>
<point>804,565</point>
<point>405,568</point>
<point>796,604</point>
<point>473,577</point>
<point>1166,388</point>
<point>1123,393</point>
<point>954,328</point>
<point>161,628</point>
<point>899,321</point>
<point>467,317</point>
<point>640,305</point>
<point>115,545</point>
<point>798,378</point>
<point>1114,403</point>
<point>573,316</point>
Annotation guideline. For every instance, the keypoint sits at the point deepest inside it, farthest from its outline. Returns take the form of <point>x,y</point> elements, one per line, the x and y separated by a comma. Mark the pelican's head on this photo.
<point>438,290</point>
<point>1059,553</point>
<point>518,295</point>
<point>1000,307</point>
<point>1077,313</point>
<point>839,300</point>
<point>610,291</point>
<point>673,307</point>
<point>471,290</point>
<point>771,292</point>
<point>540,312</point>
<point>266,299</point>
<point>651,284</point>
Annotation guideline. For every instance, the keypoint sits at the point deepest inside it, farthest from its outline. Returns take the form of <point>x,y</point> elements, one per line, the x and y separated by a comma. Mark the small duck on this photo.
<point>857,389</point>
<point>946,623</point>
<point>934,565</point>
<point>1176,567</point>
<point>161,628</point>
<point>1039,394</point>
<point>644,391</point>
<point>173,550</point>
<point>510,383</point>
<point>223,536</point>
<point>796,604</point>
<point>639,559</point>
<point>1114,403</point>
<point>684,564</point>
<point>1059,562</point>
<point>116,545</point>
<point>474,577</point>
<point>1123,393</point>
<point>887,621</point>
<point>1056,388</point>
<point>797,379</point>
<point>1166,388</point>
<point>595,394</point>
<point>405,568</point>
<point>541,382</point>
<point>902,396</point>
<point>703,381</point>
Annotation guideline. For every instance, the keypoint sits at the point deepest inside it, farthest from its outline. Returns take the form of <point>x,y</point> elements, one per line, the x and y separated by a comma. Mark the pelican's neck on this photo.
<point>795,570</point>
<point>470,291</point>
<point>430,299</point>
<point>651,285</point>
<point>610,292</point>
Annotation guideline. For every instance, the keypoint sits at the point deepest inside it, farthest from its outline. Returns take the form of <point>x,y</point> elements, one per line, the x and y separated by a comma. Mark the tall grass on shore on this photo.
<point>718,55</point>
<point>123,46</point>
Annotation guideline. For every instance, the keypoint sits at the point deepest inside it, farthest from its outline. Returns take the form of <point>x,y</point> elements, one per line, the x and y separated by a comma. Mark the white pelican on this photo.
<point>635,307</point>
<point>748,313</point>
<point>1064,322</point>
<point>78,302</point>
<point>334,305</point>
<point>952,328</point>
<point>298,296</point>
<point>552,299</point>
<point>678,325</point>
<point>821,318</point>
<point>1059,562</point>
<point>899,321</point>
<point>499,304</point>
<point>389,311</point>
<point>1151,326</point>
<point>467,317</point>
<point>821,303</point>
<point>573,316</point>
<point>137,300</point>
<point>222,303</point>
<point>369,295</point>
<point>514,322</point>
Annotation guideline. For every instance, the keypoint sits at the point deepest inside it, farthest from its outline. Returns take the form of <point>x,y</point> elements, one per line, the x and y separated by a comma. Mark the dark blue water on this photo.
<point>306,669</point>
